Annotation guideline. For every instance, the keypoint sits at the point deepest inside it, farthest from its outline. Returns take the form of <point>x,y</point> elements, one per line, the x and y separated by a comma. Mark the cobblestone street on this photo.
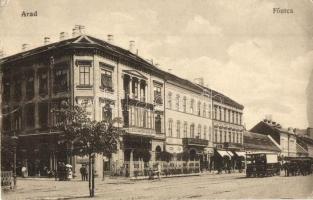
<point>206,186</point>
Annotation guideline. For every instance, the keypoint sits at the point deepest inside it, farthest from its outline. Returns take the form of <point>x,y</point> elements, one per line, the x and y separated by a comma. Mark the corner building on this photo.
<point>106,80</point>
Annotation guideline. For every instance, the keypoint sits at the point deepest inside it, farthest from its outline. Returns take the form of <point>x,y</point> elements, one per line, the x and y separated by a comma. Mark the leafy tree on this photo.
<point>87,136</point>
<point>166,156</point>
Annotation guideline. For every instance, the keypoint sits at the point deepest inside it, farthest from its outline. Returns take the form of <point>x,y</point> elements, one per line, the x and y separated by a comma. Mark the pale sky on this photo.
<point>260,59</point>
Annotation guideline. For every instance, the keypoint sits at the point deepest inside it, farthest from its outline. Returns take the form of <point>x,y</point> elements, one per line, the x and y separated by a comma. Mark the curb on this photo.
<point>156,177</point>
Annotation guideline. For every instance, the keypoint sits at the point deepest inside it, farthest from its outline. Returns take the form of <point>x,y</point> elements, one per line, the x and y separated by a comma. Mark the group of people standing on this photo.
<point>64,172</point>
<point>84,172</point>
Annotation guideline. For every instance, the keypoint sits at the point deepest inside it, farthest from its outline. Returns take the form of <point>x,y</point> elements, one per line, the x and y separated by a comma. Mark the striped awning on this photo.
<point>223,153</point>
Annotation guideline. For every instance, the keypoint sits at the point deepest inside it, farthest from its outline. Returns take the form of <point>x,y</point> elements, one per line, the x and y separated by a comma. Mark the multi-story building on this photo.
<point>160,111</point>
<point>284,137</point>
<point>106,80</point>
<point>188,119</point>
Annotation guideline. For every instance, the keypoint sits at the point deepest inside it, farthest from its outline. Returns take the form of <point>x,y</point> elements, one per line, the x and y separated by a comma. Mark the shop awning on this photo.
<point>230,153</point>
<point>223,153</point>
<point>240,153</point>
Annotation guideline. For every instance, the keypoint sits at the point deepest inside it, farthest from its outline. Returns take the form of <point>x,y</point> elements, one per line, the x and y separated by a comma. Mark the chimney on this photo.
<point>132,46</point>
<point>25,47</point>
<point>75,32</point>
<point>46,40</point>
<point>199,81</point>
<point>110,39</point>
<point>80,29</point>
<point>63,36</point>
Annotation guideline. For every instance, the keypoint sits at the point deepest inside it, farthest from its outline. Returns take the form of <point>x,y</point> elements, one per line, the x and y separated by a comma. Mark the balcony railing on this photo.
<point>143,131</point>
<point>195,142</point>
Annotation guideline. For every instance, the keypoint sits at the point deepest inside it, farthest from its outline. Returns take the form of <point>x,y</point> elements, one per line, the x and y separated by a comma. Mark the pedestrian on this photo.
<point>24,172</point>
<point>82,172</point>
<point>86,173</point>
<point>159,171</point>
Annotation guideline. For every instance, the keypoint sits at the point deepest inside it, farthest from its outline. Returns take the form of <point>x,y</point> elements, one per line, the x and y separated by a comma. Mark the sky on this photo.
<point>241,48</point>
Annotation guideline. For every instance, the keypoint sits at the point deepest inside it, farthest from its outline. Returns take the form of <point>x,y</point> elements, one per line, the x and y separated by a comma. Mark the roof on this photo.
<point>276,126</point>
<point>90,41</point>
<point>301,150</point>
<point>258,141</point>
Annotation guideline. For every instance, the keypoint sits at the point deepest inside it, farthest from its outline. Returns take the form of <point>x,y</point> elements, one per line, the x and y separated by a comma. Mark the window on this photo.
<point>60,82</point>
<point>215,135</point>
<point>135,87</point>
<point>43,114</point>
<point>240,118</point>
<point>178,129</point>
<point>43,82</point>
<point>221,136</point>
<point>215,112</point>
<point>158,123</point>
<point>205,132</point>
<point>6,89</point>
<point>237,134</point>
<point>225,136</point>
<point>6,122</point>
<point>30,115</point>
<point>192,130</point>
<point>107,112</point>
<point>17,88</point>
<point>220,113</point>
<point>177,101</point>
<point>84,74</point>
<point>106,80</point>
<point>170,127</point>
<point>204,110</point>
<point>229,136</point>
<point>29,76</point>
<point>158,94</point>
<point>191,106</point>
<point>210,133</point>
<point>209,111</point>
<point>233,137</point>
<point>199,108</point>
<point>185,129</point>
<point>199,131</point>
<point>229,116</point>
<point>185,104</point>
<point>240,137</point>
<point>232,117</point>
<point>169,100</point>
<point>225,112</point>
<point>17,122</point>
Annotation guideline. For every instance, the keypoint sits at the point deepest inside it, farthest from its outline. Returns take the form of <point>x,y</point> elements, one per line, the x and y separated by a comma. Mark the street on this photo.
<point>205,186</point>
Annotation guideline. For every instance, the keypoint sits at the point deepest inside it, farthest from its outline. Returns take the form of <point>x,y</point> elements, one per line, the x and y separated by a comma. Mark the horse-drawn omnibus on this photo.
<point>262,164</point>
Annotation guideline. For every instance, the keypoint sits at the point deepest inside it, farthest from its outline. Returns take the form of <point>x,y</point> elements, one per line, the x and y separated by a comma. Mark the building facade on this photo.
<point>160,111</point>
<point>284,137</point>
<point>104,79</point>
<point>188,119</point>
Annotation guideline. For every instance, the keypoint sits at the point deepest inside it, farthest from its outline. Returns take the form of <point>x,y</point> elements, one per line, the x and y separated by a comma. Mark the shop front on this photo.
<point>196,150</point>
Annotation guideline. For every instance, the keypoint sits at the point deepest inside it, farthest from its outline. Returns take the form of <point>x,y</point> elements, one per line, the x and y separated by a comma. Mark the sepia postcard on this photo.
<point>169,99</point>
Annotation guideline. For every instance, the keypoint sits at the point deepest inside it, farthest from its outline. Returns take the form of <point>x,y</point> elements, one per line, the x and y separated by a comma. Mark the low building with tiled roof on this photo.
<point>259,143</point>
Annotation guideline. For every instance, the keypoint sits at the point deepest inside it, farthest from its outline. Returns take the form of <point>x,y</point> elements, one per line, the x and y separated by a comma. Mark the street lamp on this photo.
<point>14,139</point>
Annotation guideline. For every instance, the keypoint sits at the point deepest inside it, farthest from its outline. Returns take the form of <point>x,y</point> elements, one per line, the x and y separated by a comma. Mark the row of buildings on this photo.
<point>160,111</point>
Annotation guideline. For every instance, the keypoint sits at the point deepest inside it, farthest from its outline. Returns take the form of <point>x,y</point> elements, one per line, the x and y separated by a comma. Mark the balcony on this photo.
<point>137,103</point>
<point>146,132</point>
<point>195,142</point>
